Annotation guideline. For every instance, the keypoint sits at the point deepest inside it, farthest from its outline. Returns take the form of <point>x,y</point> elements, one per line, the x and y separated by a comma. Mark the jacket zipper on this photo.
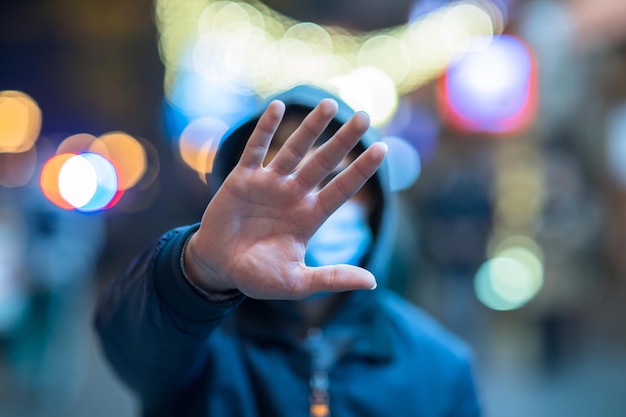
<point>319,396</point>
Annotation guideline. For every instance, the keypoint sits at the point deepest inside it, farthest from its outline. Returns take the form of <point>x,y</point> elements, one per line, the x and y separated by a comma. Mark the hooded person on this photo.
<point>275,303</point>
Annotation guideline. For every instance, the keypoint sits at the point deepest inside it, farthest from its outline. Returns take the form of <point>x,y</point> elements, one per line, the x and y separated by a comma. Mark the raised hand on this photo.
<point>255,230</point>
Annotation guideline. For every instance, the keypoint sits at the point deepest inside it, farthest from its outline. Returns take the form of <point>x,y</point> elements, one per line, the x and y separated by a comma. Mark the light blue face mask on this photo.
<point>345,238</point>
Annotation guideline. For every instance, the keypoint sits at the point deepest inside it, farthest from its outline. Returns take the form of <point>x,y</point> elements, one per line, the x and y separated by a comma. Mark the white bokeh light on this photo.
<point>371,90</point>
<point>504,283</point>
<point>78,181</point>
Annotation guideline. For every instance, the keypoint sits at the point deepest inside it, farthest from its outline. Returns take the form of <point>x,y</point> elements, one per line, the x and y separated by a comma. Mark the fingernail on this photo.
<point>328,107</point>
<point>374,286</point>
<point>363,115</point>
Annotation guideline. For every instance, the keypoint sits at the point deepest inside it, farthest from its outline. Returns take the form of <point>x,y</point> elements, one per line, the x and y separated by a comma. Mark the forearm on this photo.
<point>153,325</point>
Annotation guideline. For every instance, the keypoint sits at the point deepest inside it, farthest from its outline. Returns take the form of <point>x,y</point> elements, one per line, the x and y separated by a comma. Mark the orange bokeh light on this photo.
<point>20,121</point>
<point>199,142</point>
<point>127,154</point>
<point>79,143</point>
<point>49,180</point>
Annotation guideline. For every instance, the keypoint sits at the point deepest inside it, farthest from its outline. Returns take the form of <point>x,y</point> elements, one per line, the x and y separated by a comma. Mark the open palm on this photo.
<point>254,232</point>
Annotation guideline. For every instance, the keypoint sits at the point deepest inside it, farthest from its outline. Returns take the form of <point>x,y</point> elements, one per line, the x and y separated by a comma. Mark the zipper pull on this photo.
<point>319,396</point>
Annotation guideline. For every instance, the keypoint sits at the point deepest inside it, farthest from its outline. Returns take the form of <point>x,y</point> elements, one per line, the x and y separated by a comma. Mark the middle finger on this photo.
<point>331,154</point>
<point>295,148</point>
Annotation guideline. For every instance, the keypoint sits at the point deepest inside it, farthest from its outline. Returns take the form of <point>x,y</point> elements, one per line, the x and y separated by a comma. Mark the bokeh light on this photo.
<point>78,181</point>
<point>529,259</point>
<point>519,186</point>
<point>108,192</point>
<point>504,284</point>
<point>20,121</point>
<point>371,90</point>
<point>107,166</point>
<point>49,180</point>
<point>387,53</point>
<point>248,48</point>
<point>501,244</point>
<point>416,123</point>
<point>222,56</point>
<point>193,96</point>
<point>513,276</point>
<point>403,161</point>
<point>86,182</point>
<point>128,154</point>
<point>490,89</point>
<point>464,25</point>
<point>199,142</point>
<point>231,37</point>
<point>79,143</point>
<point>146,191</point>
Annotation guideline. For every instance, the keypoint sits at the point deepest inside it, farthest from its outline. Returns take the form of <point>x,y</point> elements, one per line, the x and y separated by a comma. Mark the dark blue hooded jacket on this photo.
<point>190,354</point>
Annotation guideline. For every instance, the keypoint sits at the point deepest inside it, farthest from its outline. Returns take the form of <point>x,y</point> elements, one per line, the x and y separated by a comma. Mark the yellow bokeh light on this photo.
<point>433,52</point>
<point>388,54</point>
<point>315,35</point>
<point>497,19</point>
<point>20,121</point>
<point>519,195</point>
<point>502,244</point>
<point>463,23</point>
<point>269,52</point>
<point>295,62</point>
<point>174,38</point>
<point>221,15</point>
<point>371,90</point>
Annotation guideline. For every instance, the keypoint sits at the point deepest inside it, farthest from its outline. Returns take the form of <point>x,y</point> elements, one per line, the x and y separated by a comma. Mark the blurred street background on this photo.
<point>506,122</point>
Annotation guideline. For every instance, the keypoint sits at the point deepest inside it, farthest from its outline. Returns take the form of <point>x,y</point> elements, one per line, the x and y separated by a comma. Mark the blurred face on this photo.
<point>289,124</point>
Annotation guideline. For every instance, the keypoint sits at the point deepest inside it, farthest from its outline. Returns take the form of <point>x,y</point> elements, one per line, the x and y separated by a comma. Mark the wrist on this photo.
<point>201,273</point>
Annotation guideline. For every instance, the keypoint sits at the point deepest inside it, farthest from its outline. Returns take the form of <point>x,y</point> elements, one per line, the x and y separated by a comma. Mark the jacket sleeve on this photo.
<point>467,402</point>
<point>154,327</point>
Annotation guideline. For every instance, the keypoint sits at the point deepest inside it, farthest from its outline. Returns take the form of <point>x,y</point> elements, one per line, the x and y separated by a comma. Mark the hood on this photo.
<point>305,98</point>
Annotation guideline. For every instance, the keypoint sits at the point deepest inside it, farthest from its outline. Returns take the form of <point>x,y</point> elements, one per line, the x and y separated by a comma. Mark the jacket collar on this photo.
<point>359,318</point>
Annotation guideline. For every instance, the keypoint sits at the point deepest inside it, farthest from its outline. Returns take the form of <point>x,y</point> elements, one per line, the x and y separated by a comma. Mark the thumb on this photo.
<point>337,278</point>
